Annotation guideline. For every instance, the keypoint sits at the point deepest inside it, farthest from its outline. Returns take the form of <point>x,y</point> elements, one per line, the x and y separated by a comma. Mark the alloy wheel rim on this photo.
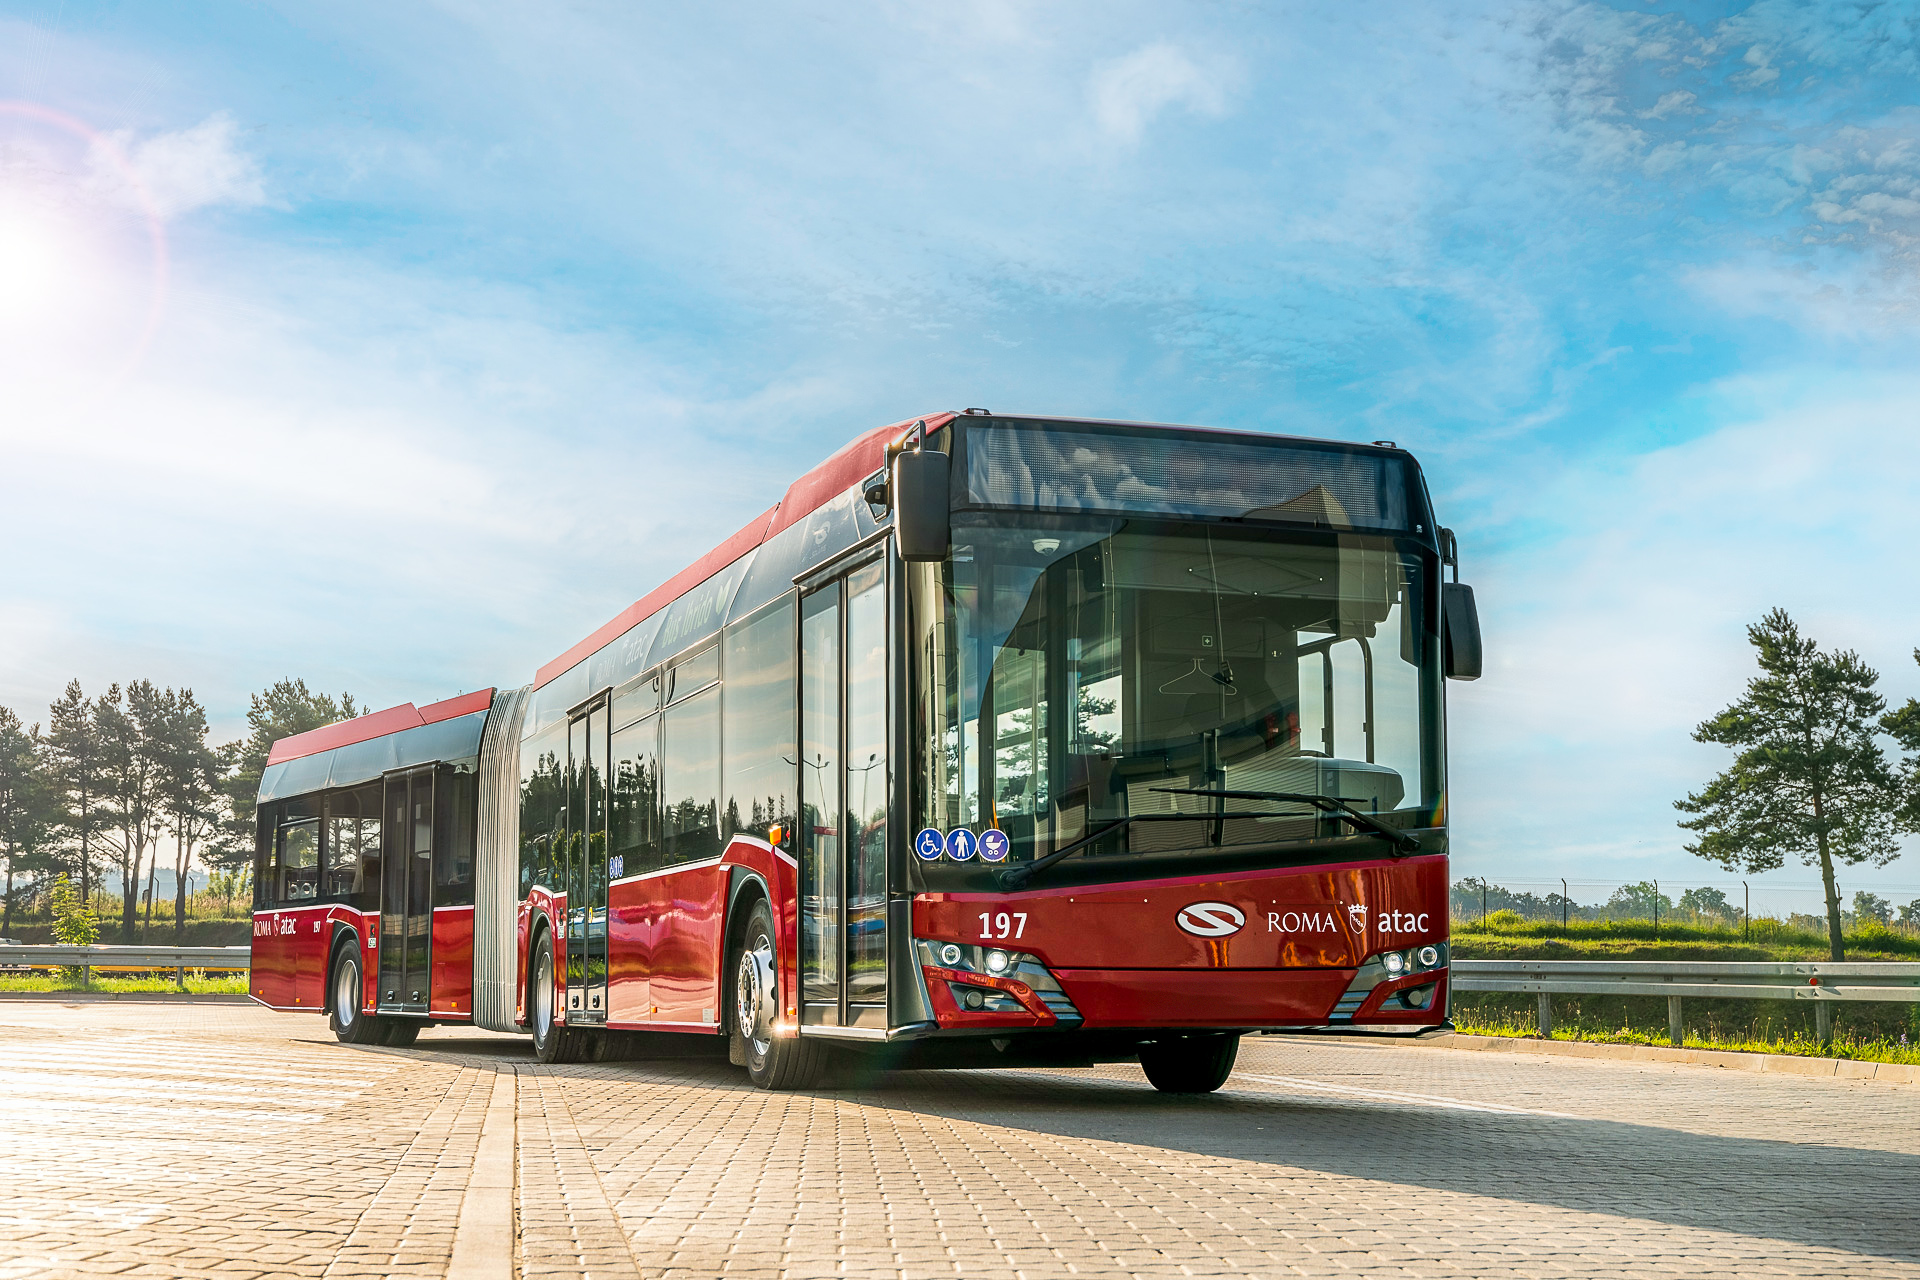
<point>754,995</point>
<point>543,995</point>
<point>346,1001</point>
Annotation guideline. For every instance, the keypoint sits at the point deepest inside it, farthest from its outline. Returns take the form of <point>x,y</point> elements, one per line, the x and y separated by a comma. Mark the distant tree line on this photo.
<point>107,782</point>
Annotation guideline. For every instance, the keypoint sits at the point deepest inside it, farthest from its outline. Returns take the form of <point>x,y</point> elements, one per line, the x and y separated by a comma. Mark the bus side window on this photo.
<point>757,723</point>
<point>352,848</point>
<point>266,877</point>
<point>635,825</point>
<point>300,860</point>
<point>455,799</point>
<point>543,795</point>
<point>690,777</point>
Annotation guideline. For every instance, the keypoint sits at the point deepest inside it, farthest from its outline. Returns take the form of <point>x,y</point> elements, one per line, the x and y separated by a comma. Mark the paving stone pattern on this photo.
<point>221,1140</point>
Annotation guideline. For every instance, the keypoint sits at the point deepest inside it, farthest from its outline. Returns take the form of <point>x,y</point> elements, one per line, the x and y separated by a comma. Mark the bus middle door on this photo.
<point>844,800</point>
<point>406,892</point>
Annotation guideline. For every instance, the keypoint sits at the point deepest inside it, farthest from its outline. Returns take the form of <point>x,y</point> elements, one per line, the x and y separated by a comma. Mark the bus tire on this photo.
<point>402,1032</point>
<point>1190,1064</point>
<point>553,1042</point>
<point>772,1061</point>
<point>346,987</point>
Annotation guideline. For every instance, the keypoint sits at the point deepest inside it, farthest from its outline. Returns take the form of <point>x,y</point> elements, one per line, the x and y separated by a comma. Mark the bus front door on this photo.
<point>844,800</point>
<point>406,892</point>
<point>585,870</point>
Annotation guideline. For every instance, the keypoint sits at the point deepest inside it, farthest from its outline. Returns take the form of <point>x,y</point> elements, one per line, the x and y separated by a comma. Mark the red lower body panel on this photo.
<point>452,987</point>
<point>1203,997</point>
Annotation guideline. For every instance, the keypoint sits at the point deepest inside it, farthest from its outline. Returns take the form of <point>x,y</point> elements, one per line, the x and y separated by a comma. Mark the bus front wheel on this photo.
<point>773,1061</point>
<point>1190,1064</point>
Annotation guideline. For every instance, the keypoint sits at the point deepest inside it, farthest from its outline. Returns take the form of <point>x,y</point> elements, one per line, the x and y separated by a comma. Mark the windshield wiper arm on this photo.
<point>1017,875</point>
<point>1400,840</point>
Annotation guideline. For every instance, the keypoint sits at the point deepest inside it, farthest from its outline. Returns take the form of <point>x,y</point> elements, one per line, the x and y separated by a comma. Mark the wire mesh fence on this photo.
<point>1723,904</point>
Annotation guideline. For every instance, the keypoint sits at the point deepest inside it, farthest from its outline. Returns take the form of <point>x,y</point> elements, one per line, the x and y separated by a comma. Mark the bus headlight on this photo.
<point>950,954</point>
<point>997,961</point>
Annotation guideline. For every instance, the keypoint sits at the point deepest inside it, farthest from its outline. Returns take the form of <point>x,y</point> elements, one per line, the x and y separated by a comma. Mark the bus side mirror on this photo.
<point>1460,627</point>
<point>920,513</point>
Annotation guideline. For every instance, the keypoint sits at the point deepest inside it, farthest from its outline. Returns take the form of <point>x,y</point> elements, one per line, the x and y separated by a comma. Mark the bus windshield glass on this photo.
<point>1070,672</point>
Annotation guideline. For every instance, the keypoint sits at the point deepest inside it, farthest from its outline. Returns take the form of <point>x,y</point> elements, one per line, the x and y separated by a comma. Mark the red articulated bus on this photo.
<point>997,741</point>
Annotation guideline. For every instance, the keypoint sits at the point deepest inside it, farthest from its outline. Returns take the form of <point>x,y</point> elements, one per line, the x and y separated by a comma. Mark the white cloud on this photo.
<point>1128,93</point>
<point>184,170</point>
<point>1678,100</point>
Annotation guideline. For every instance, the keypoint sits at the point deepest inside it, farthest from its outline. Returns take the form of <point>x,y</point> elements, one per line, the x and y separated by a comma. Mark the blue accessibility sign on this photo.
<point>961,844</point>
<point>994,844</point>
<point>929,844</point>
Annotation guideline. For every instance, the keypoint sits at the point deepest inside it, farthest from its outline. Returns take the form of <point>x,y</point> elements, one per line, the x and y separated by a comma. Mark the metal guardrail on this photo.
<point>86,959</point>
<point>1824,982</point>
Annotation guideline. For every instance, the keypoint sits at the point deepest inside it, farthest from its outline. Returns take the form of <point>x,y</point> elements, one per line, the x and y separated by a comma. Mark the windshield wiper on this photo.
<point>1017,875</point>
<point>1334,805</point>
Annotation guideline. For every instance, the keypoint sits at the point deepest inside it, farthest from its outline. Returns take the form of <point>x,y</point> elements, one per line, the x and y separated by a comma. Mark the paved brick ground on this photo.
<point>219,1140</point>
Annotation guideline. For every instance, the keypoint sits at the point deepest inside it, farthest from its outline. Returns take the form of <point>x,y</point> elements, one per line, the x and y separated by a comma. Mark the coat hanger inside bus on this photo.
<point>1223,677</point>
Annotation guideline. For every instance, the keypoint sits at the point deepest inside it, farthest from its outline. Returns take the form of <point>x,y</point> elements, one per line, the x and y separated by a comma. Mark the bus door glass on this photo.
<point>585,873</point>
<point>406,891</point>
<point>844,792</point>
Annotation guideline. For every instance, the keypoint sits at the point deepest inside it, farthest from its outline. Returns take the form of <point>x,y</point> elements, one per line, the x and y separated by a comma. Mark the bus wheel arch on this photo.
<point>747,889</point>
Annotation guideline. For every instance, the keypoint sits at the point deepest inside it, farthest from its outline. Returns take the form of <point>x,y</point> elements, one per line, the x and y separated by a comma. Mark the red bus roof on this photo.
<point>377,724</point>
<point>854,462</point>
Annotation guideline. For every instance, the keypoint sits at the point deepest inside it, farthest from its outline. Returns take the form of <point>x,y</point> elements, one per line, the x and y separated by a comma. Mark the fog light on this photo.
<point>997,961</point>
<point>1429,956</point>
<point>975,1000</point>
<point>1394,961</point>
<point>950,954</point>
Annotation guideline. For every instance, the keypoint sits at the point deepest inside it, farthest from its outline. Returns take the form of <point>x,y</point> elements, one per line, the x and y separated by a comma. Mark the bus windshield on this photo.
<point>1069,673</point>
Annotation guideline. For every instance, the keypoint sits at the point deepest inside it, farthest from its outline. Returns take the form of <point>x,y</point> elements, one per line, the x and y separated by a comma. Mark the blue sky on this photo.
<point>478,321</point>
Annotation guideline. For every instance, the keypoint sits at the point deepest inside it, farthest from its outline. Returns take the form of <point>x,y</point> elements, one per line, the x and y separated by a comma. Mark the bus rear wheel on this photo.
<point>1190,1064</point>
<point>552,1041</point>
<point>348,988</point>
<point>773,1061</point>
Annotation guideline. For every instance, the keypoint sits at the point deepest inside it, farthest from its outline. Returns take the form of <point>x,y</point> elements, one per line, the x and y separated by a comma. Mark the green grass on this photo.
<point>1866,1031</point>
<point>198,983</point>
<point>1515,1024</point>
<point>1506,936</point>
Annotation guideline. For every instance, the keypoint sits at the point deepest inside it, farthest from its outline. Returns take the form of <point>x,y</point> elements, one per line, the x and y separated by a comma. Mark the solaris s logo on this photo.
<point>1210,919</point>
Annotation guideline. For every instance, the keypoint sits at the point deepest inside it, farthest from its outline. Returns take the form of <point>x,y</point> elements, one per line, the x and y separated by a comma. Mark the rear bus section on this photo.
<point>996,740</point>
<point>364,871</point>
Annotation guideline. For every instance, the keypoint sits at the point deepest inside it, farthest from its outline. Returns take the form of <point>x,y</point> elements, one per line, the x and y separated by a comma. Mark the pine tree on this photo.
<point>132,734</point>
<point>287,708</point>
<point>1904,724</point>
<point>77,759</point>
<point>1809,780</point>
<point>26,806</point>
<point>191,776</point>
